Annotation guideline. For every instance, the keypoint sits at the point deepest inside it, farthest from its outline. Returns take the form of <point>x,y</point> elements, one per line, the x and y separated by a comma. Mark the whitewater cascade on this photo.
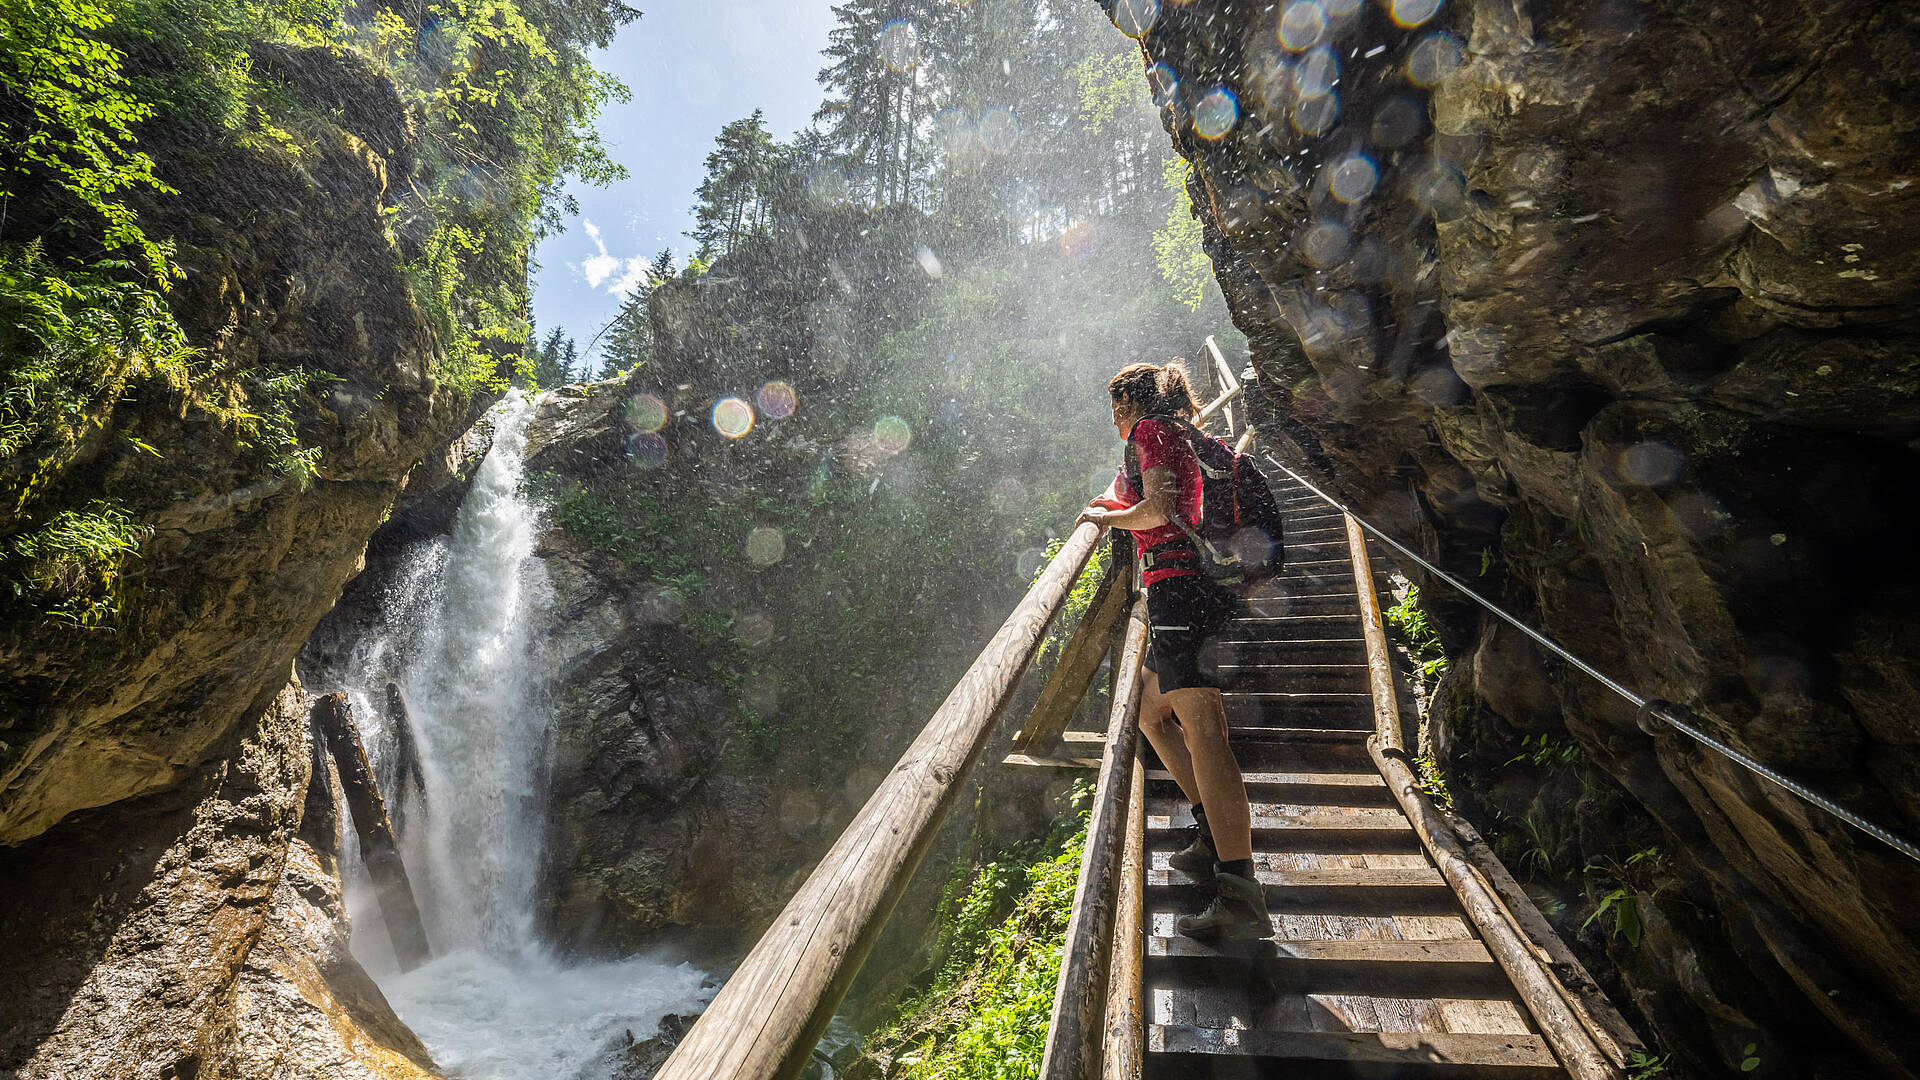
<point>461,635</point>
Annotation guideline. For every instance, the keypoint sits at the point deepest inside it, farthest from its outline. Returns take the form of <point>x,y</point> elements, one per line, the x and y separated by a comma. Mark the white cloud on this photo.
<point>625,274</point>
<point>636,273</point>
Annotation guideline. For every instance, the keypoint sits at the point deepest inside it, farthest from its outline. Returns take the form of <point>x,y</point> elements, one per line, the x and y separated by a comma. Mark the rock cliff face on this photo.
<point>1609,307</point>
<point>152,774</point>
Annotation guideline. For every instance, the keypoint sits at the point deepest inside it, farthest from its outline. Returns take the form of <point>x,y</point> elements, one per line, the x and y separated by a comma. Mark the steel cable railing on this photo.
<point>1649,709</point>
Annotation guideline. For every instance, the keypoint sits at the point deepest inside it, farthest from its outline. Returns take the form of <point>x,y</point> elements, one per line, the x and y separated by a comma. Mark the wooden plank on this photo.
<point>1031,761</point>
<point>1125,1053</point>
<point>1515,1055</point>
<point>766,1019</point>
<point>1079,661</point>
<point>1080,997</point>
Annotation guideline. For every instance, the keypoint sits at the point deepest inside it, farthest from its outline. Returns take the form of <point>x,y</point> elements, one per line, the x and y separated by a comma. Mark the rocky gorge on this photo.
<point>1606,308</point>
<point>155,773</point>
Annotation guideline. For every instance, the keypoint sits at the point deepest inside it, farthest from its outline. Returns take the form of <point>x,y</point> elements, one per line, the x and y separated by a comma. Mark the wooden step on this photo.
<point>1449,969</point>
<point>1298,678</point>
<point>1332,648</point>
<point>1180,1051</point>
<point>1281,827</point>
<point>1343,788</point>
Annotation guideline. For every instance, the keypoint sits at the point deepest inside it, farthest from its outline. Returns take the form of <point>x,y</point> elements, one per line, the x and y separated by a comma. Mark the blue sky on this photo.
<point>693,65</point>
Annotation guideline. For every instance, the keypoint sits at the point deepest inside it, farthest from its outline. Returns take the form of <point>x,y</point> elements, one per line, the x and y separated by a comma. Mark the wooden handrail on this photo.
<point>1080,998</point>
<point>1216,405</point>
<point>1572,1043</point>
<point>1124,1055</point>
<point>766,1019</point>
<point>1079,662</point>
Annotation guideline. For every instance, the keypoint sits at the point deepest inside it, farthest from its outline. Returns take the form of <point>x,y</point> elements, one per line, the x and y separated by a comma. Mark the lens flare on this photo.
<point>1303,25</point>
<point>1315,116</point>
<point>998,130</point>
<point>1136,17</point>
<point>777,400</point>
<point>891,434</point>
<point>766,546</point>
<point>1316,73</point>
<point>1325,244</point>
<point>1216,114</point>
<point>754,629</point>
<point>1353,178</point>
<point>1412,13</point>
<point>1433,58</point>
<point>1080,240</point>
<point>646,412</point>
<point>647,449</point>
<point>1163,83</point>
<point>900,45</point>
<point>1398,123</point>
<point>732,417</point>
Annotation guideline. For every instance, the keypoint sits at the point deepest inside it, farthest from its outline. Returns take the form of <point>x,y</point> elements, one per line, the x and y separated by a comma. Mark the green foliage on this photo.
<point>1079,598</point>
<point>1546,752</point>
<point>1409,622</point>
<point>1177,246</point>
<point>70,122</point>
<point>1642,1066</point>
<point>985,1016</point>
<point>1626,915</point>
<point>73,563</point>
<point>507,100</point>
<point>69,340</point>
<point>1433,780</point>
<point>1109,85</point>
<point>1643,872</point>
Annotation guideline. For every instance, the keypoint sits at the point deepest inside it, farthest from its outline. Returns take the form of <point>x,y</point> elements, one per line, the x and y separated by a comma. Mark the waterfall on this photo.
<point>461,635</point>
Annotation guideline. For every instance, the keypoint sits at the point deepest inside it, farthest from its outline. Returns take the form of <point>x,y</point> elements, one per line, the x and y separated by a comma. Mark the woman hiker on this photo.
<point>1181,711</point>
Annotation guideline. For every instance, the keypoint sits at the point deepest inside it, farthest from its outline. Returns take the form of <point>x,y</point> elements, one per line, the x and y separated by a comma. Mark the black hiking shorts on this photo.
<point>1185,616</point>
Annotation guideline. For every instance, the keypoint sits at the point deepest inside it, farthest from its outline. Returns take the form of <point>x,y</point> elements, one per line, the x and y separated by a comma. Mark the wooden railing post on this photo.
<point>767,1018</point>
<point>1080,1000</point>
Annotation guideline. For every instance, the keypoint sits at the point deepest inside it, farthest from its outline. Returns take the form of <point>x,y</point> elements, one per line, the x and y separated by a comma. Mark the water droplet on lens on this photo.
<point>645,412</point>
<point>1080,240</point>
<point>891,434</point>
<point>777,400</point>
<point>732,417</point>
<point>1652,463</point>
<point>900,45</point>
<point>1136,17</point>
<point>1303,25</point>
<point>766,546</point>
<point>1216,114</point>
<point>1163,83</point>
<point>1324,244</point>
<point>1411,13</point>
<point>1316,116</point>
<point>1433,58</point>
<point>647,449</point>
<point>1316,73</point>
<point>1353,178</point>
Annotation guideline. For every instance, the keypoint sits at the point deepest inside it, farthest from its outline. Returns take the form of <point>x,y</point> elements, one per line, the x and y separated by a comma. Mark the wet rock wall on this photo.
<point>152,771</point>
<point>1608,307</point>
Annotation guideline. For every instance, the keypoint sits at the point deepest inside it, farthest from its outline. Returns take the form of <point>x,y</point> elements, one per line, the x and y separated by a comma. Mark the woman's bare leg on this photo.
<point>1158,725</point>
<point>1214,772</point>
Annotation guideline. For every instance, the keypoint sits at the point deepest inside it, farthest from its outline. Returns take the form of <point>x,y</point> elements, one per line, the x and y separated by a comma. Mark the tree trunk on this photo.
<point>333,716</point>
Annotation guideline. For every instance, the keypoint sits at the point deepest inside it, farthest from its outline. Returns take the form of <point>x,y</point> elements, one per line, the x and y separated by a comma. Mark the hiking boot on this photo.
<point>1239,910</point>
<point>1196,859</point>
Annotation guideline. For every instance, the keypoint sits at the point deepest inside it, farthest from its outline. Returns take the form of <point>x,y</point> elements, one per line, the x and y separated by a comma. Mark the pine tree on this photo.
<point>733,198</point>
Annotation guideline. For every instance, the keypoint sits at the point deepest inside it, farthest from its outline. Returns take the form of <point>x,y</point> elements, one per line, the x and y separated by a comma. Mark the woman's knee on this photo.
<point>1159,724</point>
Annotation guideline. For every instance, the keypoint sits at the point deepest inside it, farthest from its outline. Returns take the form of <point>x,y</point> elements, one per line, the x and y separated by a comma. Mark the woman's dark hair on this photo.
<point>1176,390</point>
<point>1154,388</point>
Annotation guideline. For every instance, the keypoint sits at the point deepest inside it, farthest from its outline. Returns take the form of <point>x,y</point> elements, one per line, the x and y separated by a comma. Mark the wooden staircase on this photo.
<point>1374,969</point>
